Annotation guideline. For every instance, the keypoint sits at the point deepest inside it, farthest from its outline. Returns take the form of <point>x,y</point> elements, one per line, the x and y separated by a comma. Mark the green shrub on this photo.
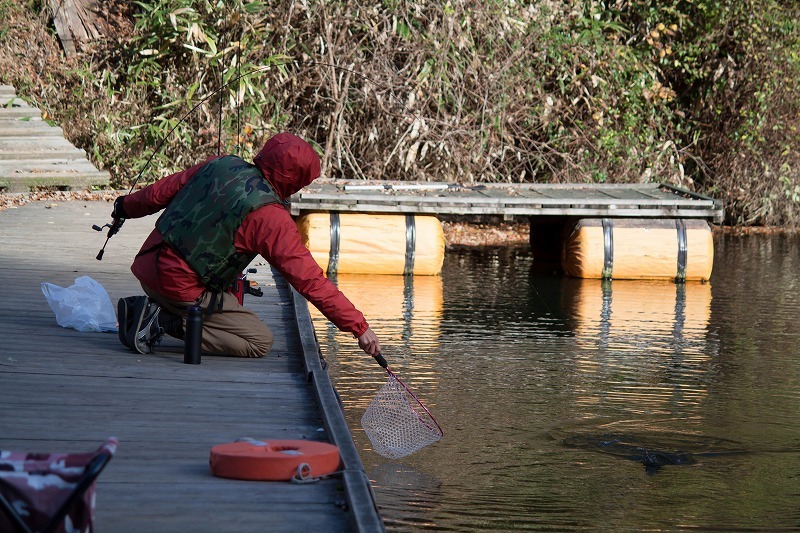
<point>701,94</point>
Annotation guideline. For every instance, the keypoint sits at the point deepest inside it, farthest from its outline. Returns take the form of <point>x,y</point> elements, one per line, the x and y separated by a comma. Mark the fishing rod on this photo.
<point>116,224</point>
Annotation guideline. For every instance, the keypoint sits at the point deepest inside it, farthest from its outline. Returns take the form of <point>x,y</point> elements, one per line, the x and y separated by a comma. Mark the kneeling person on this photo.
<point>218,215</point>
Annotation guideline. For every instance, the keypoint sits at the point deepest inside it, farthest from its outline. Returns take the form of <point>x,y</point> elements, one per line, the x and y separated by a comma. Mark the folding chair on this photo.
<point>50,492</point>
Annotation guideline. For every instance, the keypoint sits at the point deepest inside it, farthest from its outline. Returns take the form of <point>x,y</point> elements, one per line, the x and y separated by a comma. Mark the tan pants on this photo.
<point>234,331</point>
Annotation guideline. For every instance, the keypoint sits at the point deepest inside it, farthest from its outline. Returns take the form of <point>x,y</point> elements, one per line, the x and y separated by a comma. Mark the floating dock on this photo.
<point>67,391</point>
<point>647,200</point>
<point>657,214</point>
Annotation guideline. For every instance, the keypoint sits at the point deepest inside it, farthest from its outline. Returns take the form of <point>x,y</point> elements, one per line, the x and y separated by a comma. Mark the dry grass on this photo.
<point>503,234</point>
<point>463,90</point>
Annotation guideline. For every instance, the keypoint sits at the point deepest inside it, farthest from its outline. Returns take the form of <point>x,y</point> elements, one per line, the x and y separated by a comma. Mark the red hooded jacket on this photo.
<point>289,164</point>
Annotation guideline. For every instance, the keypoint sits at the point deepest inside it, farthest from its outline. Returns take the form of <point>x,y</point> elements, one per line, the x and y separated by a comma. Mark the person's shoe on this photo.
<point>125,318</point>
<point>144,332</point>
<point>171,324</point>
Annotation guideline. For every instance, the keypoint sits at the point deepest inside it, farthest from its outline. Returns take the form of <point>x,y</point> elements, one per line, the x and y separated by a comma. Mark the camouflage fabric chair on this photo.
<point>50,492</point>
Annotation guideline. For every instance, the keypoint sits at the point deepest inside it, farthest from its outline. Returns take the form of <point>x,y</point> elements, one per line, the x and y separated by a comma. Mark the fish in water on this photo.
<point>652,454</point>
<point>654,459</point>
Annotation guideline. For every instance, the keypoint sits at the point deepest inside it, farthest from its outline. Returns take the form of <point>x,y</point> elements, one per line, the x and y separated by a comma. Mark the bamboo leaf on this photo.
<point>211,45</point>
<point>195,49</point>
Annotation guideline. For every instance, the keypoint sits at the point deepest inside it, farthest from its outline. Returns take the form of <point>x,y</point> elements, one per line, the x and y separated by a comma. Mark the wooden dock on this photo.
<point>67,391</point>
<point>650,200</point>
<point>35,154</point>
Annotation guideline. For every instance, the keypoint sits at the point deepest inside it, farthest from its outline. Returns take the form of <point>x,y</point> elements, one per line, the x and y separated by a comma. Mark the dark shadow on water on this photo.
<point>655,451</point>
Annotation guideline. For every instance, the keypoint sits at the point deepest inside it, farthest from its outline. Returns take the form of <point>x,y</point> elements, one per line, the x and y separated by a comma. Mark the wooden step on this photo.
<point>23,175</point>
<point>38,148</point>
<point>34,154</point>
<point>17,113</point>
<point>27,181</point>
<point>9,168</point>
<point>68,154</point>
<point>13,101</point>
<point>29,128</point>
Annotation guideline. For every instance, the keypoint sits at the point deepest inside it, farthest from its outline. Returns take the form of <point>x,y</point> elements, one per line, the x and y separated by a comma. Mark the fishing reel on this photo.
<point>113,228</point>
<point>242,286</point>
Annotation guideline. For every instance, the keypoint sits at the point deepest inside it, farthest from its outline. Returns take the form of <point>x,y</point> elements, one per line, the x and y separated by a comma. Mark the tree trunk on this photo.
<point>76,22</point>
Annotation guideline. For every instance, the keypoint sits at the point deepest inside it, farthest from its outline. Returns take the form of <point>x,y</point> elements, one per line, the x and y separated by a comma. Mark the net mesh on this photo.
<point>396,422</point>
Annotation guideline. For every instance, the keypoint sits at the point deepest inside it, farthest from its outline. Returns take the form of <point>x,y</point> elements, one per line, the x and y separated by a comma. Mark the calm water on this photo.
<point>553,394</point>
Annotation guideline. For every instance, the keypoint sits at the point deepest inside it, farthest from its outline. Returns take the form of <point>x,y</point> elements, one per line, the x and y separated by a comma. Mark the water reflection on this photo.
<point>528,372</point>
<point>641,346</point>
<point>620,311</point>
<point>406,314</point>
<point>408,493</point>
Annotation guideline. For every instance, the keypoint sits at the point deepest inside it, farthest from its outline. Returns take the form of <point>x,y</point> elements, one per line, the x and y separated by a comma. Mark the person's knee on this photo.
<point>261,346</point>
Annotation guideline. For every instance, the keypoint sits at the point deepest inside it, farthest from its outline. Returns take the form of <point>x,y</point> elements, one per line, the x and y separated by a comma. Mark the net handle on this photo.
<point>381,360</point>
<point>392,374</point>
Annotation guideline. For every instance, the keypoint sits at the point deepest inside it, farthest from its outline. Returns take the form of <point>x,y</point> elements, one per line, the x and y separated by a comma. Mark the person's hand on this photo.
<point>119,209</point>
<point>369,343</point>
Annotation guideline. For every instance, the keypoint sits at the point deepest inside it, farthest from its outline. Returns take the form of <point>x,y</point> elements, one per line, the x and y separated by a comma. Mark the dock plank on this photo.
<point>66,390</point>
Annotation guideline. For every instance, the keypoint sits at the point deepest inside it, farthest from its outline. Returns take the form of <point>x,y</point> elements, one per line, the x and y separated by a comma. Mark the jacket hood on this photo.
<point>288,163</point>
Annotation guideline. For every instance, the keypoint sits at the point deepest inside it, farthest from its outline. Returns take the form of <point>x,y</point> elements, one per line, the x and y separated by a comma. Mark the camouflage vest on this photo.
<point>200,223</point>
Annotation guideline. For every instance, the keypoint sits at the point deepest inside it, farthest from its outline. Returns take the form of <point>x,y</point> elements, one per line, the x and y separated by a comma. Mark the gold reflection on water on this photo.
<point>645,343</point>
<point>405,312</point>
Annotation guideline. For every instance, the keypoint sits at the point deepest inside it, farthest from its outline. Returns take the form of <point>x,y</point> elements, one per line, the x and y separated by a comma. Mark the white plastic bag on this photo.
<point>84,306</point>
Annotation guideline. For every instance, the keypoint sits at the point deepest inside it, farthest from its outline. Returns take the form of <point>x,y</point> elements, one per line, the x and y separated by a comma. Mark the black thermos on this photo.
<point>194,335</point>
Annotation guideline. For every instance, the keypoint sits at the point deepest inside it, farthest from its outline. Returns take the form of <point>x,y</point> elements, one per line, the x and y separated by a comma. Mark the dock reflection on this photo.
<point>406,314</point>
<point>641,345</point>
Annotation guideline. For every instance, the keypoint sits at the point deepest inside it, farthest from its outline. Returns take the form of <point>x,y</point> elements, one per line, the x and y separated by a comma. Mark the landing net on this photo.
<point>397,423</point>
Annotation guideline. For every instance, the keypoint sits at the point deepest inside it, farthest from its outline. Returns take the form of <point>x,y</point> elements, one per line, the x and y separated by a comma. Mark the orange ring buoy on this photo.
<point>273,460</point>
